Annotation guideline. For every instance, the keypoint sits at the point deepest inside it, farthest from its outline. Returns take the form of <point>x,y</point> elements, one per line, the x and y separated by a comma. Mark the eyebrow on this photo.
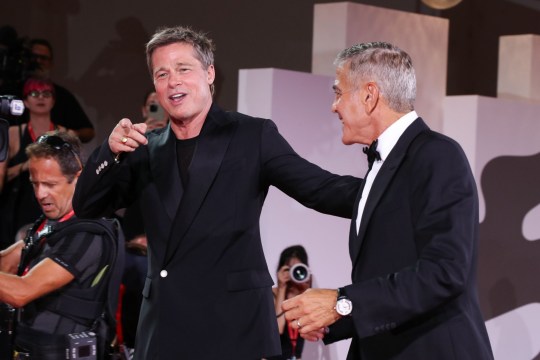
<point>176,65</point>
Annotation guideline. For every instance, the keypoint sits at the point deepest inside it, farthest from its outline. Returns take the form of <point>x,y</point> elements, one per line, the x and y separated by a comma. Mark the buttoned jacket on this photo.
<point>208,290</point>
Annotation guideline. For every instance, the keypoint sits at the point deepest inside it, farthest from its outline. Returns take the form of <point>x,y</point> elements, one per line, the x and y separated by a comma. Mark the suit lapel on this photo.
<point>354,243</point>
<point>162,152</point>
<point>207,158</point>
<point>383,179</point>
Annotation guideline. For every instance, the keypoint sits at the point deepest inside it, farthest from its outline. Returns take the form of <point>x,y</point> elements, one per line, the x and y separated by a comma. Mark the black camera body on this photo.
<point>156,111</point>
<point>82,346</point>
<point>300,273</point>
<point>9,106</point>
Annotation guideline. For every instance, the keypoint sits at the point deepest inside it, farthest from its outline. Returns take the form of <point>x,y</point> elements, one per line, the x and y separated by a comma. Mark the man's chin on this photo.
<point>50,214</point>
<point>346,141</point>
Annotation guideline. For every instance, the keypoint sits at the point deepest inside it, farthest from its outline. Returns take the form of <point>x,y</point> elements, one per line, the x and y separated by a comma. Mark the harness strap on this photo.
<point>72,306</point>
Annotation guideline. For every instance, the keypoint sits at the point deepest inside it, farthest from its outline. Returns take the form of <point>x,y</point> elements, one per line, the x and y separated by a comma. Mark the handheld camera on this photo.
<point>300,273</point>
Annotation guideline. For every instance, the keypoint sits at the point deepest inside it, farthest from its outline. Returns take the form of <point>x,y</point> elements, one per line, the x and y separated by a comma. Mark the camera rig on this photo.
<point>9,106</point>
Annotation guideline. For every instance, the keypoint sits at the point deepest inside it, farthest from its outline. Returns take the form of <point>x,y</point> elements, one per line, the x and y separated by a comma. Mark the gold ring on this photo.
<point>124,140</point>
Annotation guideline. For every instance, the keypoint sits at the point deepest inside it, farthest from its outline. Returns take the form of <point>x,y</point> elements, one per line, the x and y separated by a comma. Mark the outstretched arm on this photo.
<point>105,179</point>
<point>10,257</point>
<point>45,277</point>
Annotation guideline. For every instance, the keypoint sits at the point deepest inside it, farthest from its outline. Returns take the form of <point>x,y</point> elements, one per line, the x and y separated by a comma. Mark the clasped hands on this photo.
<point>126,136</point>
<point>312,312</point>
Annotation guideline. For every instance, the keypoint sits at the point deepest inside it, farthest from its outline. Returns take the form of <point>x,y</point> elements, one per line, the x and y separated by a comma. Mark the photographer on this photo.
<point>154,116</point>
<point>66,267</point>
<point>293,278</point>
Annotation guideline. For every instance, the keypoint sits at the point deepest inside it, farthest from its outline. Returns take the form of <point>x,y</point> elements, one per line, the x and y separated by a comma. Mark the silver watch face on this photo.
<point>344,307</point>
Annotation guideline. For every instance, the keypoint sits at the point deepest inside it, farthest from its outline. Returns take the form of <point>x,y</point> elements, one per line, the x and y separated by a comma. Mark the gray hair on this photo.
<point>203,46</point>
<point>388,66</point>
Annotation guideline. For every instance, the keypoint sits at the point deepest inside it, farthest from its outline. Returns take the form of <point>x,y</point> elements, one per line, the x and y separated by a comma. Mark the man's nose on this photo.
<point>175,79</point>
<point>40,192</point>
<point>334,106</point>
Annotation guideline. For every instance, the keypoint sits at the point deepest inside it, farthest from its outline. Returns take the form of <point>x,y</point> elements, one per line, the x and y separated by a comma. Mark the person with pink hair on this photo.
<point>18,205</point>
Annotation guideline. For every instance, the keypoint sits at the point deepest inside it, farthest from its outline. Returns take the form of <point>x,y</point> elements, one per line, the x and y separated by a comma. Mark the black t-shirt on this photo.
<point>184,155</point>
<point>85,255</point>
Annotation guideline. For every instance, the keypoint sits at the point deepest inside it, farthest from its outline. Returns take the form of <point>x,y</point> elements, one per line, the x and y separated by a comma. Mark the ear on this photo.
<point>371,96</point>
<point>211,74</point>
<point>76,177</point>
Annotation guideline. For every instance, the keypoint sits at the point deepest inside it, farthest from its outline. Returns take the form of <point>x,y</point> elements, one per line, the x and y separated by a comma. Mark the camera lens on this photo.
<point>300,273</point>
<point>153,108</point>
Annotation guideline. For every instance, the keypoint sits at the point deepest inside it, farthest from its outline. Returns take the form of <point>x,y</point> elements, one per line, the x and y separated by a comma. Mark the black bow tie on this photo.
<point>372,153</point>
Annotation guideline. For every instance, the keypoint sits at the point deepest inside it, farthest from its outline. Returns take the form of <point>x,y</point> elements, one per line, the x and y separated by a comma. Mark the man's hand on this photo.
<point>311,312</point>
<point>315,335</point>
<point>126,136</point>
<point>283,276</point>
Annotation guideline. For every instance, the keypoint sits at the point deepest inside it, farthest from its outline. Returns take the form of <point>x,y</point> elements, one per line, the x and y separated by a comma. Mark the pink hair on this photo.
<point>33,84</point>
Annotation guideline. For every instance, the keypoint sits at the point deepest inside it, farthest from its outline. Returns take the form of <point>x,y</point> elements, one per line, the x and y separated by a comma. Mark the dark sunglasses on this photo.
<point>44,93</point>
<point>56,142</point>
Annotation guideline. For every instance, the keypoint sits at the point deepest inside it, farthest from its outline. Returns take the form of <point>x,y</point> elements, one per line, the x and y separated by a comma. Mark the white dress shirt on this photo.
<point>386,142</point>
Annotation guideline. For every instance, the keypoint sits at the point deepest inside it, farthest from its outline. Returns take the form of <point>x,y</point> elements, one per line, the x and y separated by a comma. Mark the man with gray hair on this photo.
<point>414,232</point>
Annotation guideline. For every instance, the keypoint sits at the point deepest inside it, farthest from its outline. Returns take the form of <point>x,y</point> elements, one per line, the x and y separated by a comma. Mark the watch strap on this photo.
<point>341,293</point>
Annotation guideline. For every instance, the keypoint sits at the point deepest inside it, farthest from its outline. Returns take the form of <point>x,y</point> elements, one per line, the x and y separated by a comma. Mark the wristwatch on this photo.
<point>344,304</point>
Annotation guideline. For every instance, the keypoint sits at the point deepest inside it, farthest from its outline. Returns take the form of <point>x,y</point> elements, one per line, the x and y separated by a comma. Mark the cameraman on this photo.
<point>61,284</point>
<point>291,343</point>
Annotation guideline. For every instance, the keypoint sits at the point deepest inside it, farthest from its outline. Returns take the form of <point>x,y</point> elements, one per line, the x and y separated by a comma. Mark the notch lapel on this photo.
<point>354,243</point>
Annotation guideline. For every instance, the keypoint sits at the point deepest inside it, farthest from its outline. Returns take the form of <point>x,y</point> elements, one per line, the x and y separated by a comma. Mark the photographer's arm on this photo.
<point>85,134</point>
<point>10,257</point>
<point>42,279</point>
<point>7,174</point>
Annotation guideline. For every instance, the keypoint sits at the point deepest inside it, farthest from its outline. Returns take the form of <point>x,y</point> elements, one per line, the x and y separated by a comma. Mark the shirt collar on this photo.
<point>390,136</point>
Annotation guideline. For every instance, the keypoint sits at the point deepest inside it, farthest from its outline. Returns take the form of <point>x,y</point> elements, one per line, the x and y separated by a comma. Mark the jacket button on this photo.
<point>163,273</point>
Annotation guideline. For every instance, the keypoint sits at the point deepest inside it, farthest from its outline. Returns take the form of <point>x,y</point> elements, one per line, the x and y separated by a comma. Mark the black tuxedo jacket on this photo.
<point>414,257</point>
<point>208,290</point>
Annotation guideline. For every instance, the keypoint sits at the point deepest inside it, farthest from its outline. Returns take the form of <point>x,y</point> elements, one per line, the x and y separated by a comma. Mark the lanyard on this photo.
<point>33,134</point>
<point>293,335</point>
<point>67,216</point>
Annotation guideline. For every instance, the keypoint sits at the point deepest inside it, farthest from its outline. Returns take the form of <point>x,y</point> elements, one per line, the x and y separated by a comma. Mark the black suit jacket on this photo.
<point>414,258</point>
<point>215,301</point>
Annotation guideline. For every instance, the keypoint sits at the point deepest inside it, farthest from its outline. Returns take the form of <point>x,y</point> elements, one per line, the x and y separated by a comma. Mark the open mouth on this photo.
<point>46,206</point>
<point>177,97</point>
